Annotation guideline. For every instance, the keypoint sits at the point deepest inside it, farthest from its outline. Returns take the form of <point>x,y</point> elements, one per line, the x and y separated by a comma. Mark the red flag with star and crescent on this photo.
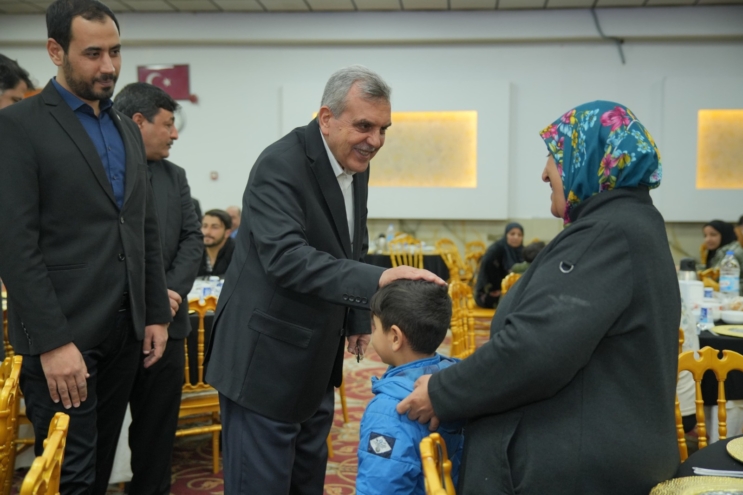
<point>171,78</point>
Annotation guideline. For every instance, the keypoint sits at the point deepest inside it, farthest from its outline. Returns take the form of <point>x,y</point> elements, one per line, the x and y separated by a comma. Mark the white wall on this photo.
<point>240,62</point>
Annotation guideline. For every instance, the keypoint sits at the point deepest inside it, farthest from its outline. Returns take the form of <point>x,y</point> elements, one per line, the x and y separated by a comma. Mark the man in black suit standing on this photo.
<point>295,288</point>
<point>79,245</point>
<point>155,398</point>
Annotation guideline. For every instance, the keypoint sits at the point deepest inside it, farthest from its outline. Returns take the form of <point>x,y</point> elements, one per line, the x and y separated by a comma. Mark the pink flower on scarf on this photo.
<point>608,163</point>
<point>550,132</point>
<point>615,118</point>
<point>569,117</point>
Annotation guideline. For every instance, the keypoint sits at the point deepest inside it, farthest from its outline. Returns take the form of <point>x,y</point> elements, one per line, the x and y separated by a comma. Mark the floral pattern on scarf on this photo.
<point>600,146</point>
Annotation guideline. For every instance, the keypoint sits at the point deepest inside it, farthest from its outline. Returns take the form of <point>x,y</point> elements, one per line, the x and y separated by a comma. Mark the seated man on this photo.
<point>216,227</point>
<point>409,322</point>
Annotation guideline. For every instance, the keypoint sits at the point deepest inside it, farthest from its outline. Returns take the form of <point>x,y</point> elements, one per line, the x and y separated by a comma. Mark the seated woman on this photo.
<point>715,257</point>
<point>496,263</point>
<point>574,392</point>
<point>717,236</point>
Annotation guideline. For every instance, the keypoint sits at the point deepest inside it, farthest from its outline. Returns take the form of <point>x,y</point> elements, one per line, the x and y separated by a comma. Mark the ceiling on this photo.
<point>39,6</point>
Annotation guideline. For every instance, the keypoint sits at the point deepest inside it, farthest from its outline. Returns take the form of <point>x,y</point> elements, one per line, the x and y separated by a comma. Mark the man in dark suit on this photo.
<point>79,245</point>
<point>295,288</point>
<point>155,398</point>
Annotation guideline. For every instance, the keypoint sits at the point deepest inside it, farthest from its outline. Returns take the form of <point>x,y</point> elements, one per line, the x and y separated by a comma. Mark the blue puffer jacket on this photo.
<point>389,453</point>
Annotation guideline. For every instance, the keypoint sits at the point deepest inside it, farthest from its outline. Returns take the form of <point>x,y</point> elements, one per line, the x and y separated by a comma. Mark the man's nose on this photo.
<point>107,65</point>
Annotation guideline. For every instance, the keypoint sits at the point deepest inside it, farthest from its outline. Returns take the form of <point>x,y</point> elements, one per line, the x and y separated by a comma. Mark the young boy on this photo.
<point>409,322</point>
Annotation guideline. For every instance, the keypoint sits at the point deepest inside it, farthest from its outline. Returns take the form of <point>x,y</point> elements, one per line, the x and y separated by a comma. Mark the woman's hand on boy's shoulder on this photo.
<point>418,405</point>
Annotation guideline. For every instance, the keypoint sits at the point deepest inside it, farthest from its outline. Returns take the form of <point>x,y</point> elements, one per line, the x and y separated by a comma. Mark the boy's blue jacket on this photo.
<point>389,453</point>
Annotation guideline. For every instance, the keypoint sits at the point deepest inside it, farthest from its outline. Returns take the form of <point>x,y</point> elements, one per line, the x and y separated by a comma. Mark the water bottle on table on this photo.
<point>729,277</point>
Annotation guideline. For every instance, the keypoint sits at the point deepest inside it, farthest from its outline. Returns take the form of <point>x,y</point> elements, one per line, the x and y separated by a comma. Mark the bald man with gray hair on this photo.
<point>297,291</point>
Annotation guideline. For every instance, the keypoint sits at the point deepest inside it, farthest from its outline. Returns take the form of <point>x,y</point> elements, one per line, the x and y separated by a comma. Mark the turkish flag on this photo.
<point>171,78</point>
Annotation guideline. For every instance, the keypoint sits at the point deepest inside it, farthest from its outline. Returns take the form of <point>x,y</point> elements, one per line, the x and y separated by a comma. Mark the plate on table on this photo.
<point>729,330</point>
<point>700,485</point>
<point>735,449</point>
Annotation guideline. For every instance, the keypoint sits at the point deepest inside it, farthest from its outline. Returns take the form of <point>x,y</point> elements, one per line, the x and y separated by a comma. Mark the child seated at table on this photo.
<point>530,254</point>
<point>409,322</point>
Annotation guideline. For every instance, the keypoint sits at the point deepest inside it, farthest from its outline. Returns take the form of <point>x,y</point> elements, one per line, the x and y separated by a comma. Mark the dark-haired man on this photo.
<point>79,245</point>
<point>155,398</point>
<point>14,82</point>
<point>216,227</point>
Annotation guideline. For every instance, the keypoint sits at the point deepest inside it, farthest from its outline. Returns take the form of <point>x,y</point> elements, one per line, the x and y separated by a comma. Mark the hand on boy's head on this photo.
<point>418,405</point>
<point>410,273</point>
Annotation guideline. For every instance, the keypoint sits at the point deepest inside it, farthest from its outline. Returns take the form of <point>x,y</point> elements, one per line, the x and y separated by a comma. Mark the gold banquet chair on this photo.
<point>473,253</point>
<point>508,282</point>
<point>462,321</point>
<point>458,270</point>
<point>436,466</point>
<point>708,360</point>
<point>405,250</point>
<point>9,404</point>
<point>44,475</point>
<point>200,402</point>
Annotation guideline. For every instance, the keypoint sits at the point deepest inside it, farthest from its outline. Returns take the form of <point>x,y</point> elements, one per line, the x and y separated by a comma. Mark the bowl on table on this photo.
<point>732,317</point>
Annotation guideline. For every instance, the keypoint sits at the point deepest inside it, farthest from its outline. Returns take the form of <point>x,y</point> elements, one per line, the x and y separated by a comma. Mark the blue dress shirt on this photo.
<point>105,137</point>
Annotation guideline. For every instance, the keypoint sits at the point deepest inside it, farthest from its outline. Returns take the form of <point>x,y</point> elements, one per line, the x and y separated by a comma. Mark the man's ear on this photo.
<point>397,338</point>
<point>323,118</point>
<point>55,51</point>
<point>139,119</point>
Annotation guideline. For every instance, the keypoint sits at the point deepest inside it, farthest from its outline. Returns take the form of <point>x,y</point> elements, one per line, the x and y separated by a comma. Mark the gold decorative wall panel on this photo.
<point>428,149</point>
<point>720,149</point>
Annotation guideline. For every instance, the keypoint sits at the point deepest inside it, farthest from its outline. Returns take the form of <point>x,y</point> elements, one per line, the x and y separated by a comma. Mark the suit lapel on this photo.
<point>328,185</point>
<point>66,118</point>
<point>132,152</point>
<point>159,180</point>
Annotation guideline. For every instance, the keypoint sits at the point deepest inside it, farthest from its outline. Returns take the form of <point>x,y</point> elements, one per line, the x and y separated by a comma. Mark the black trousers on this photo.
<point>265,456</point>
<point>154,402</point>
<point>96,424</point>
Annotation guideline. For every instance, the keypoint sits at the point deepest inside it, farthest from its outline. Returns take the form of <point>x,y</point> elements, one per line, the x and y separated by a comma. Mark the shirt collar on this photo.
<point>76,103</point>
<point>337,169</point>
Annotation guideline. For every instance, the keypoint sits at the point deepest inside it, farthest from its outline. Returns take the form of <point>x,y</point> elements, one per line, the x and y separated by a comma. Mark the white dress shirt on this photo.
<point>345,181</point>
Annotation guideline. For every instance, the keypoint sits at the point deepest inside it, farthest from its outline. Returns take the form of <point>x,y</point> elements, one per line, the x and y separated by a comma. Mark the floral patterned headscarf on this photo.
<point>600,146</point>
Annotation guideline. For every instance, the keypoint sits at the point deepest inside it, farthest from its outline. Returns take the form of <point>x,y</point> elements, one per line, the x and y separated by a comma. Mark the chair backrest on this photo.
<point>449,252</point>
<point>9,405</point>
<point>44,475</point>
<point>473,253</point>
<point>708,360</point>
<point>436,466</point>
<point>508,282</point>
<point>201,308</point>
<point>9,352</point>
<point>405,250</point>
<point>462,320</point>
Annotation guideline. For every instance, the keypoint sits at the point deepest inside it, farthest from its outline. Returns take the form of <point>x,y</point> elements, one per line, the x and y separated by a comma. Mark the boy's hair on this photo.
<point>421,309</point>
<point>532,250</point>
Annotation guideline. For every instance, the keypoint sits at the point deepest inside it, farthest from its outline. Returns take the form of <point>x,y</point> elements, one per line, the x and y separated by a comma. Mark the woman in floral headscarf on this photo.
<point>574,392</point>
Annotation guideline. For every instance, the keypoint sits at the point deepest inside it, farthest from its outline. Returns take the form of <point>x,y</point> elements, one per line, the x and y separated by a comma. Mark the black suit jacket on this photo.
<point>180,236</point>
<point>295,287</point>
<point>66,250</point>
